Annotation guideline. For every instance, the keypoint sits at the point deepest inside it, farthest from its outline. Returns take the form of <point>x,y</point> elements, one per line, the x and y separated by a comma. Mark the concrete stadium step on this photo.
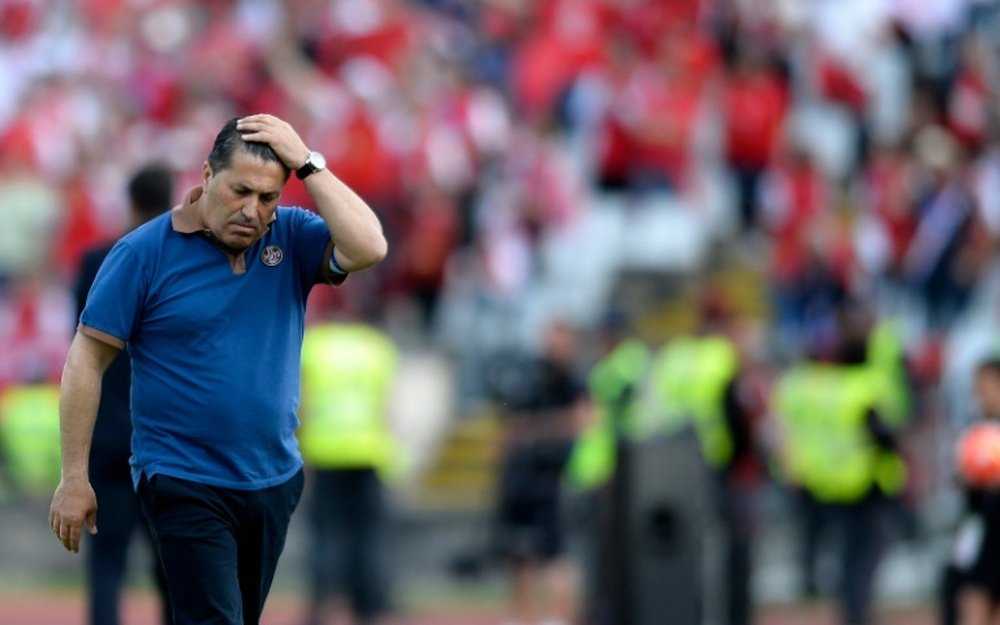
<point>462,476</point>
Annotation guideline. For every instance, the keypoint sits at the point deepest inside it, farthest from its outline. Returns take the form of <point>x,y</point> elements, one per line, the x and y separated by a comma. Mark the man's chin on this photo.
<point>237,245</point>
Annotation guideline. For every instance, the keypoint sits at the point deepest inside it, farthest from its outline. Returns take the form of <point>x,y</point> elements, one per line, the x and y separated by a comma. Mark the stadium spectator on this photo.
<point>348,372</point>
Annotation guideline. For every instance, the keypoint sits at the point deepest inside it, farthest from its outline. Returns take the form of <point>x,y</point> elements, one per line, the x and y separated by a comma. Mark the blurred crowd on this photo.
<point>856,139</point>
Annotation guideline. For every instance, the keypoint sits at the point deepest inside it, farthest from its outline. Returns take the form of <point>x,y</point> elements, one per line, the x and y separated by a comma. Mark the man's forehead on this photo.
<point>254,173</point>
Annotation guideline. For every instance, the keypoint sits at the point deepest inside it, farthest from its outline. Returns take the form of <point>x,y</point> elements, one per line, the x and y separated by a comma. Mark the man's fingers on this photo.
<point>92,522</point>
<point>276,132</point>
<point>263,124</point>
<point>62,531</point>
<point>256,117</point>
<point>253,122</point>
<point>69,534</point>
<point>262,118</point>
<point>74,538</point>
<point>254,136</point>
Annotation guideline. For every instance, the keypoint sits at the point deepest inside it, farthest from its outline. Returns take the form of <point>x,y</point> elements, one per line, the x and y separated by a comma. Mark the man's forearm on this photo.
<point>356,232</point>
<point>79,400</point>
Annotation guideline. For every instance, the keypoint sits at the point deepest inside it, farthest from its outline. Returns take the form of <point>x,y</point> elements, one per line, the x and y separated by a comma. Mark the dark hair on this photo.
<point>151,190</point>
<point>229,140</point>
<point>989,366</point>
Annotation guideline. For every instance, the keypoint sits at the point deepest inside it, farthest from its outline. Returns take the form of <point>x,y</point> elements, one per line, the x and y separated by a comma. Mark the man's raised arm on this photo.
<point>358,241</point>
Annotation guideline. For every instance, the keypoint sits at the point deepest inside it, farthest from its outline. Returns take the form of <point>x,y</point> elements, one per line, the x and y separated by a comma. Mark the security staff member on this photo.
<point>615,386</point>
<point>29,437</point>
<point>840,451</point>
<point>697,382</point>
<point>348,370</point>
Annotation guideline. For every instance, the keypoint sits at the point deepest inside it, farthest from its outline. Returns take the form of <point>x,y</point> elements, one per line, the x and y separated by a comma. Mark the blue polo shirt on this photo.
<point>215,345</point>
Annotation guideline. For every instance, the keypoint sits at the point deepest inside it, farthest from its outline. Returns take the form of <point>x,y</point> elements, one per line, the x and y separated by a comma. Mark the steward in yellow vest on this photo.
<point>29,438</point>
<point>348,371</point>
<point>614,384</point>
<point>695,382</point>
<point>835,446</point>
<point>842,455</point>
<point>691,379</point>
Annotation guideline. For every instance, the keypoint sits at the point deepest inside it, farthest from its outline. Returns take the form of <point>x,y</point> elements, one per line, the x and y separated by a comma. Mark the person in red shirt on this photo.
<point>793,195</point>
<point>793,199</point>
<point>888,197</point>
<point>968,105</point>
<point>428,242</point>
<point>565,39</point>
<point>659,110</point>
<point>754,103</point>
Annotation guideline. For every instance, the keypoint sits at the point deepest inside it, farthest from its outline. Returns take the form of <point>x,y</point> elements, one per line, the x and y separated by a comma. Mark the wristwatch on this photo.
<point>314,163</point>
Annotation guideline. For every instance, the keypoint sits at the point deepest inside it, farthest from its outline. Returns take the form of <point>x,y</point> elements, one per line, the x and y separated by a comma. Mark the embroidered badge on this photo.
<point>272,255</point>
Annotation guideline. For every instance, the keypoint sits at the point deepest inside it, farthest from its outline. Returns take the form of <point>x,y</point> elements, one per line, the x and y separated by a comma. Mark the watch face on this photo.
<point>317,160</point>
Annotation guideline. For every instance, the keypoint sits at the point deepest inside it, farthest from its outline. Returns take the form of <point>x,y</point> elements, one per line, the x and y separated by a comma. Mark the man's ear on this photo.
<point>206,176</point>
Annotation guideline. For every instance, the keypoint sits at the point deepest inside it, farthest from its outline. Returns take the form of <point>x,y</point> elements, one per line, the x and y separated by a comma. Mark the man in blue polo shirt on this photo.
<point>209,300</point>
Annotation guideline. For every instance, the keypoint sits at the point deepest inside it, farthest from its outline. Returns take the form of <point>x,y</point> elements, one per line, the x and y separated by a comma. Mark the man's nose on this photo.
<point>251,209</point>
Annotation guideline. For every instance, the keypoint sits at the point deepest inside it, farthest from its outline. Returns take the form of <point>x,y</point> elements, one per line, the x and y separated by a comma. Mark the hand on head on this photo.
<point>279,134</point>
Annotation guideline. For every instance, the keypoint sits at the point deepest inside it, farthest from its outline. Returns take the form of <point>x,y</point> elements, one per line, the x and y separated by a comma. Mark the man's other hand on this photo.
<point>74,505</point>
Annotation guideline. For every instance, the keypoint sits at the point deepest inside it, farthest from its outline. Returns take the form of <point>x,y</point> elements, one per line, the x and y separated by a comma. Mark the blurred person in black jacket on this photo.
<point>150,192</point>
<point>545,402</point>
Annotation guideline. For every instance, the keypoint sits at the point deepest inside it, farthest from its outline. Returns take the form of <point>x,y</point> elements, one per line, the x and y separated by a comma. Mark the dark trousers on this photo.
<point>734,501</point>
<point>861,534</point>
<point>862,540</point>
<point>814,517</point>
<point>347,515</point>
<point>219,547</point>
<point>118,520</point>
<point>951,587</point>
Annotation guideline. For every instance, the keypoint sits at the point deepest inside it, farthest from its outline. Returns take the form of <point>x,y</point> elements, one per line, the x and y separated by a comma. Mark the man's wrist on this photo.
<point>302,161</point>
<point>75,475</point>
<point>314,162</point>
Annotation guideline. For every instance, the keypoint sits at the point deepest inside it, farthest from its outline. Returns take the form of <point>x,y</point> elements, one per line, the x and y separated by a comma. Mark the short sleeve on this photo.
<point>114,304</point>
<point>313,246</point>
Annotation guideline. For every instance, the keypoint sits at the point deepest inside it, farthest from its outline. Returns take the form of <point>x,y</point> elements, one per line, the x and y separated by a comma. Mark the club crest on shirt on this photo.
<point>272,255</point>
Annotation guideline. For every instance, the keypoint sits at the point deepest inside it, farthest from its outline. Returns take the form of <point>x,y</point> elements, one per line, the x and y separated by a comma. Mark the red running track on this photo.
<point>67,609</point>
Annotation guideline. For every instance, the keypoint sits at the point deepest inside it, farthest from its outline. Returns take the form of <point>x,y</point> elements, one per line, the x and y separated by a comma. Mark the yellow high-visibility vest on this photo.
<point>29,434</point>
<point>718,363</point>
<point>885,360</point>
<point>690,378</point>
<point>614,385</point>
<point>829,447</point>
<point>347,375</point>
<point>673,376</point>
